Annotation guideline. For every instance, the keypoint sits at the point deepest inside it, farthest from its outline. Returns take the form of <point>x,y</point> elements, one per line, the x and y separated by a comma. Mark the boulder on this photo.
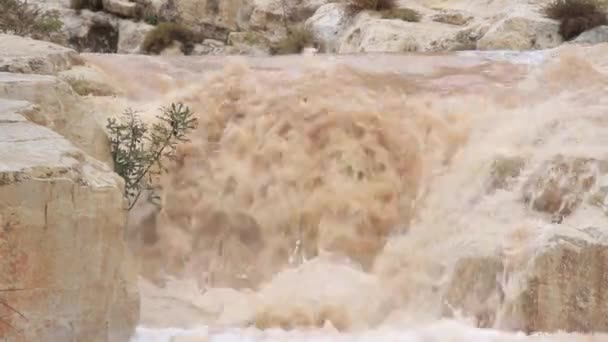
<point>25,55</point>
<point>452,17</point>
<point>559,283</point>
<point>64,259</point>
<point>60,110</point>
<point>521,30</point>
<point>209,47</point>
<point>121,8</point>
<point>328,23</point>
<point>221,14</point>
<point>87,81</point>
<point>370,33</point>
<point>88,31</point>
<point>131,36</point>
<point>269,15</point>
<point>596,35</point>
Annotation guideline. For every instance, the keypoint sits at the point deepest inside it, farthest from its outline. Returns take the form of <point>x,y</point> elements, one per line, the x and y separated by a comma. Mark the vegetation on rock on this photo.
<point>93,5</point>
<point>138,151</point>
<point>297,38</point>
<point>576,16</point>
<point>165,34</point>
<point>382,5</point>
<point>21,18</point>
<point>404,14</point>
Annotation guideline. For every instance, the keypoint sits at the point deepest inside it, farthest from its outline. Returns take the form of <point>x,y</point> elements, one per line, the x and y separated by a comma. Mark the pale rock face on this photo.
<point>209,47</point>
<point>328,23</point>
<point>597,35</point>
<point>24,55</point>
<point>370,33</point>
<point>522,30</point>
<point>452,17</point>
<point>64,255</point>
<point>91,31</point>
<point>269,15</point>
<point>122,8</point>
<point>131,35</point>
<point>561,285</point>
<point>219,13</point>
<point>60,110</point>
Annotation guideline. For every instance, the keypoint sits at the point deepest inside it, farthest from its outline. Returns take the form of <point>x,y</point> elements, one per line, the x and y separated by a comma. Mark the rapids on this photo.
<point>328,198</point>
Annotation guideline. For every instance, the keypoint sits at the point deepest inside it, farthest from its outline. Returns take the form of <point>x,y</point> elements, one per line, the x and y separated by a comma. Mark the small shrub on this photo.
<point>297,38</point>
<point>404,14</point>
<point>20,18</point>
<point>93,5</point>
<point>138,150</point>
<point>163,35</point>
<point>383,5</point>
<point>576,16</point>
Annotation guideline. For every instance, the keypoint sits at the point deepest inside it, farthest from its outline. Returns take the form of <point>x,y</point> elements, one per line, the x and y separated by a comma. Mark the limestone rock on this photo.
<point>63,250</point>
<point>131,36</point>
<point>328,23</point>
<point>452,17</point>
<point>221,14</point>
<point>91,31</point>
<point>25,55</point>
<point>561,285</point>
<point>209,47</point>
<point>521,30</point>
<point>61,110</point>
<point>559,185</point>
<point>87,81</point>
<point>370,33</point>
<point>596,35</point>
<point>122,8</point>
<point>267,15</point>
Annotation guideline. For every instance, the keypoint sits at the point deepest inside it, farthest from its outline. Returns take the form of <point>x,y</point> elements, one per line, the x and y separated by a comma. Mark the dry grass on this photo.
<point>298,37</point>
<point>576,16</point>
<point>21,18</point>
<point>163,35</point>
<point>404,14</point>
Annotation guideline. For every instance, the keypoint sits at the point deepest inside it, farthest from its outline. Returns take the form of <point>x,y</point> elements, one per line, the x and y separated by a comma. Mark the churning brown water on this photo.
<point>330,197</point>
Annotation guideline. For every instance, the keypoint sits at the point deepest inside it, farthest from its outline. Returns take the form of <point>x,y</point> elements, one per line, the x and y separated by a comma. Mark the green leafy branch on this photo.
<point>137,151</point>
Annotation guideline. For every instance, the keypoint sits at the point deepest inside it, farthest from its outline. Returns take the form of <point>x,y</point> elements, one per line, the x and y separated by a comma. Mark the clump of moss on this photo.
<point>93,5</point>
<point>404,14</point>
<point>298,37</point>
<point>163,35</point>
<point>576,16</point>
<point>21,18</point>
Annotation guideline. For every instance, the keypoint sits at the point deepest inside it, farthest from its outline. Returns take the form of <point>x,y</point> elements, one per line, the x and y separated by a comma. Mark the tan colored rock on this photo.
<point>268,15</point>
<point>559,185</point>
<point>86,80</point>
<point>561,283</point>
<point>328,23</point>
<point>597,35</point>
<point>122,8</point>
<point>88,31</point>
<point>131,36</point>
<point>370,33</point>
<point>63,250</point>
<point>206,15</point>
<point>452,17</point>
<point>60,110</point>
<point>25,55</point>
<point>209,47</point>
<point>521,30</point>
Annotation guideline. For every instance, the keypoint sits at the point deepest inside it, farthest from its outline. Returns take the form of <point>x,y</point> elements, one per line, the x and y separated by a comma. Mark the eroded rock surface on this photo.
<point>24,55</point>
<point>64,259</point>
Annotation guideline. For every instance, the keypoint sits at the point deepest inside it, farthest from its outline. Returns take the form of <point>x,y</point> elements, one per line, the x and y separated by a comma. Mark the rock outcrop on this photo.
<point>521,30</point>
<point>63,265</point>
<point>60,108</point>
<point>561,284</point>
<point>24,55</point>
